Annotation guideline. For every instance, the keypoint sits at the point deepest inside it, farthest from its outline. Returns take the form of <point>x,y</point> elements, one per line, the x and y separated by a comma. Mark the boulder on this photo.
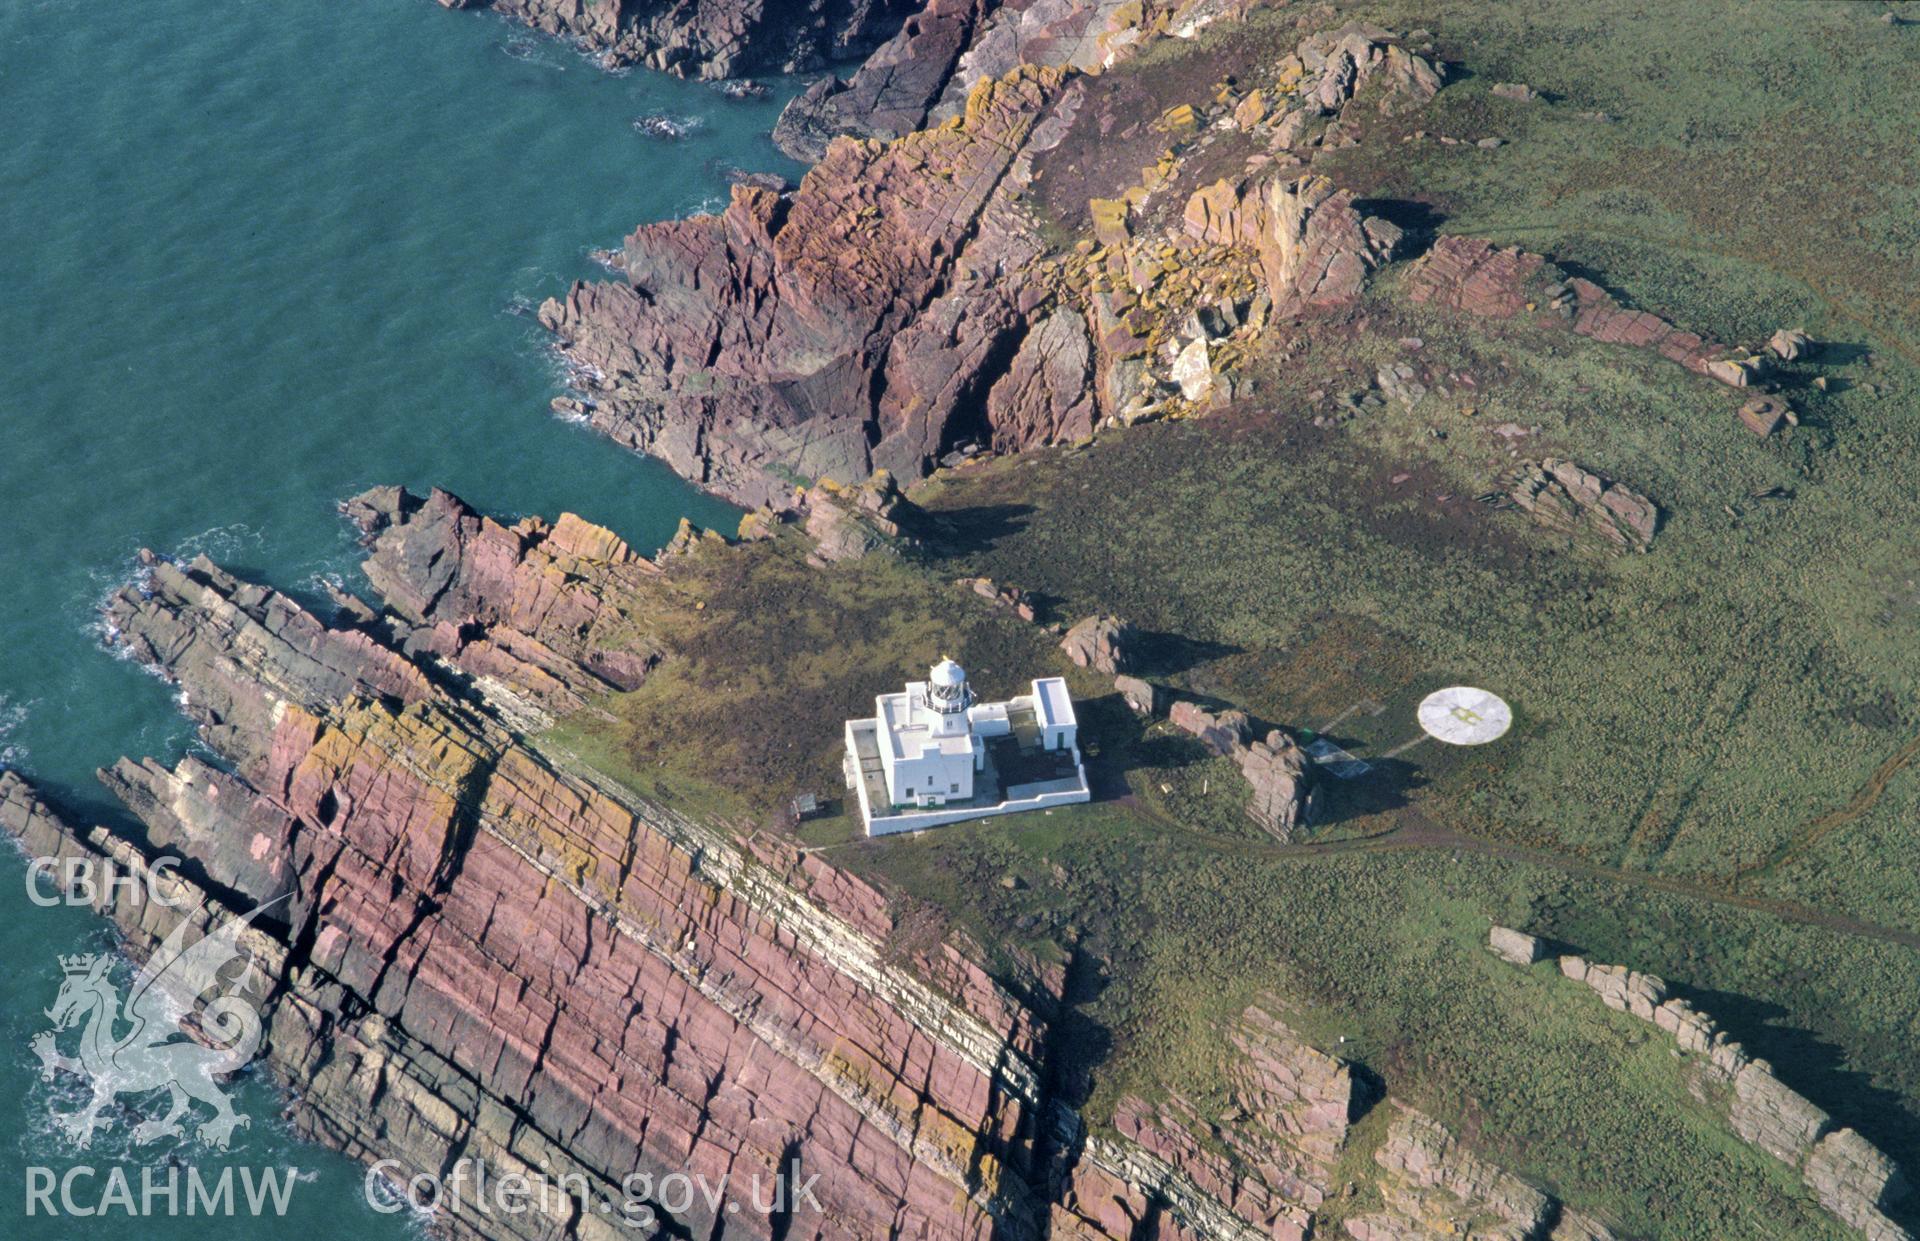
<point>1737,372</point>
<point>1101,643</point>
<point>1399,381</point>
<point>1516,946</point>
<point>1763,415</point>
<point>1192,372</point>
<point>1013,598</point>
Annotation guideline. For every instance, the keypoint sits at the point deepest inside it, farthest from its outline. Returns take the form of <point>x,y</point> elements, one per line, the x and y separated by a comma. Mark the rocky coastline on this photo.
<point>907,301</point>
<point>488,950</point>
<point>491,949</point>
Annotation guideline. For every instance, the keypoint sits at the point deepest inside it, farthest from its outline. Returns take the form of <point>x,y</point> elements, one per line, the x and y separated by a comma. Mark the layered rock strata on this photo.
<point>1475,276</point>
<point>486,950</point>
<point>490,951</point>
<point>1585,506</point>
<point>1167,1170</point>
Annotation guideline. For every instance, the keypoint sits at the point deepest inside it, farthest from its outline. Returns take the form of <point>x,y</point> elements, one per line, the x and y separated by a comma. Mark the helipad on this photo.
<point>1463,715</point>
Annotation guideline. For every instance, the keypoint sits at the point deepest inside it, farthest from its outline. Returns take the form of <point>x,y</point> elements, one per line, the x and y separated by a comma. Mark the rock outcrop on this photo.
<point>1846,1173</point>
<point>1515,947</point>
<point>1284,792</point>
<point>711,38</point>
<point>1103,643</point>
<point>1270,1161</point>
<point>925,72</point>
<point>1222,732</point>
<point>846,523</point>
<point>1585,506</point>
<point>544,607</point>
<point>1789,344</point>
<point>1474,275</point>
<point>486,949</point>
<point>1434,1187</point>
<point>908,298</point>
<point>1314,247</point>
<point>892,92</point>
<point>828,333</point>
<point>1280,777</point>
<point>1141,696</point>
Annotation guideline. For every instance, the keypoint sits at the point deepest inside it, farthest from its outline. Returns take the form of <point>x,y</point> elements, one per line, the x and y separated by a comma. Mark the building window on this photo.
<point>956,788</point>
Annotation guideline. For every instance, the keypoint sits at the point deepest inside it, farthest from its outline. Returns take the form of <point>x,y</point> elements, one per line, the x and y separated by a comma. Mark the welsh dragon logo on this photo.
<point>157,1037</point>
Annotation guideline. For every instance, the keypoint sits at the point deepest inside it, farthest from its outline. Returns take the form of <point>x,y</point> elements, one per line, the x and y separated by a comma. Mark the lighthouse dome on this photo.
<point>947,690</point>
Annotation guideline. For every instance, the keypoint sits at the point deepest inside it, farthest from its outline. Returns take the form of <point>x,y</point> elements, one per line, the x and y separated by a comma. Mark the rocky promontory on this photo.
<point>489,949</point>
<point>913,297</point>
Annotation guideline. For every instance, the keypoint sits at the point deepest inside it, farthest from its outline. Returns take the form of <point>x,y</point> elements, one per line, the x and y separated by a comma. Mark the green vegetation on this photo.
<point>1714,773</point>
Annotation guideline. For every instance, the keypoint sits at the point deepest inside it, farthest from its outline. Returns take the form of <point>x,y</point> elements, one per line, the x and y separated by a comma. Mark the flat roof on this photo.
<point>1052,702</point>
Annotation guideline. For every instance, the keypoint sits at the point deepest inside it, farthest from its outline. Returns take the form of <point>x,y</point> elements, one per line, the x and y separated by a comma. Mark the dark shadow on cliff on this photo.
<point>1817,1069</point>
<point>1074,1047</point>
<point>1419,221</point>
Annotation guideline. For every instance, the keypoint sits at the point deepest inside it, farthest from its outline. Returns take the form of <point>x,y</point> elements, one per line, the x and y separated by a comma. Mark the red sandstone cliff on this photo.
<point>491,952</point>
<point>912,296</point>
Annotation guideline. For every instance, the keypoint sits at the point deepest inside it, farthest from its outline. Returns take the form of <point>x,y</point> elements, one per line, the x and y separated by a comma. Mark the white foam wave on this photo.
<point>668,126</point>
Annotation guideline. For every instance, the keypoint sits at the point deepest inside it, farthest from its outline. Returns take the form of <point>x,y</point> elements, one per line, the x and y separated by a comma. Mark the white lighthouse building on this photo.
<point>931,754</point>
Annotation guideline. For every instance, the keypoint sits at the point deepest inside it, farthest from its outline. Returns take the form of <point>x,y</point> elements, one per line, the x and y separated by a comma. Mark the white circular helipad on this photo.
<point>1463,715</point>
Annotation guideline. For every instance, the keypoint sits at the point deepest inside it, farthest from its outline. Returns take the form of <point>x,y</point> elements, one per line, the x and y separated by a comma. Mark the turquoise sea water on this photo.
<point>255,257</point>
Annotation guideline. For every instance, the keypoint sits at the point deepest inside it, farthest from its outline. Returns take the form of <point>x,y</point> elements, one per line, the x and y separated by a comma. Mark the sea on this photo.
<point>256,257</point>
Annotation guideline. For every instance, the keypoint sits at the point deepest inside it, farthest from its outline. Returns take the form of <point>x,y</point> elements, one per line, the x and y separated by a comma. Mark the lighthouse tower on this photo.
<point>948,697</point>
